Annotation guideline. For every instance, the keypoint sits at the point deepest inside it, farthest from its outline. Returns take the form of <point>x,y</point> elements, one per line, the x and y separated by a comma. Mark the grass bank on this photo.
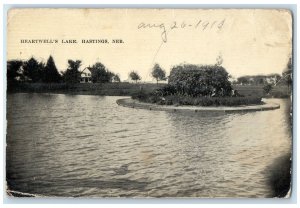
<point>105,89</point>
<point>279,91</point>
<point>129,89</point>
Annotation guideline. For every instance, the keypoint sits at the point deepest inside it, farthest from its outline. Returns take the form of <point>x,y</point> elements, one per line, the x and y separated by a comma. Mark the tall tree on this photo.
<point>100,73</point>
<point>134,76</point>
<point>50,72</point>
<point>14,70</point>
<point>32,70</point>
<point>72,74</point>
<point>158,73</point>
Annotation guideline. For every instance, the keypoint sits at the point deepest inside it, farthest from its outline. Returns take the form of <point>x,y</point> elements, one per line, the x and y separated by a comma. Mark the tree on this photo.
<point>32,70</point>
<point>243,80</point>
<point>14,70</point>
<point>158,73</point>
<point>277,77</point>
<point>72,74</point>
<point>116,78</point>
<point>267,88</point>
<point>110,75</point>
<point>259,79</point>
<point>290,64</point>
<point>50,73</point>
<point>287,74</point>
<point>100,73</point>
<point>134,76</point>
<point>219,60</point>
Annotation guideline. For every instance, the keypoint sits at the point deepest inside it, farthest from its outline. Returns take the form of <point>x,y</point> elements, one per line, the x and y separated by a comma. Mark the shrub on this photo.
<point>166,90</point>
<point>279,94</point>
<point>142,96</point>
<point>267,88</point>
<point>196,101</point>
<point>197,80</point>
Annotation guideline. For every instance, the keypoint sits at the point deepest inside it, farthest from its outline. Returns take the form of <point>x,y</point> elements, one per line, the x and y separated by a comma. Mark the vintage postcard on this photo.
<point>145,103</point>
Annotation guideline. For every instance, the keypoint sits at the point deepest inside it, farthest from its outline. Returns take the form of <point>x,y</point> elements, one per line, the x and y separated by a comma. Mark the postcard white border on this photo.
<point>157,4</point>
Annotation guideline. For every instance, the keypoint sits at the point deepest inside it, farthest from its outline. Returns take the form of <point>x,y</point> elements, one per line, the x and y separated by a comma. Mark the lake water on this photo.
<point>88,146</point>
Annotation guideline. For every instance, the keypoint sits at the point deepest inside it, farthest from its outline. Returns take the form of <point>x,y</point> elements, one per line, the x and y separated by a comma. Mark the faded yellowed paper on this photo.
<point>262,38</point>
<point>96,147</point>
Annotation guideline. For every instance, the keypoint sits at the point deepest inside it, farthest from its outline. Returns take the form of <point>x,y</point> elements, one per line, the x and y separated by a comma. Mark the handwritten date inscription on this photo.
<point>203,25</point>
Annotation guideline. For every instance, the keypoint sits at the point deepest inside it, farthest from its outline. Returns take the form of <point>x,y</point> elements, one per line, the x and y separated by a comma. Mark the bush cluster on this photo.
<point>196,101</point>
<point>199,86</point>
<point>200,80</point>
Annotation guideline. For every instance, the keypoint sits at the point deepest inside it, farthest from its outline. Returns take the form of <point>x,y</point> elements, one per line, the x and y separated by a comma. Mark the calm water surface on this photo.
<point>88,146</point>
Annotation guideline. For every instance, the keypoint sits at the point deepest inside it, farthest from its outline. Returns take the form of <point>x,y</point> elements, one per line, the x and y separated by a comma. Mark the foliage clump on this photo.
<point>200,80</point>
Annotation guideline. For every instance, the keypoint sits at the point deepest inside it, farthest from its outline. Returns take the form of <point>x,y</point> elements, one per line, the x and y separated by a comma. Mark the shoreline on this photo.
<point>130,103</point>
<point>102,89</point>
<point>123,89</point>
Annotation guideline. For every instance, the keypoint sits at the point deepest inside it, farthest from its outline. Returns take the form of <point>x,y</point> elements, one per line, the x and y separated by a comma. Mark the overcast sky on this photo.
<point>249,41</point>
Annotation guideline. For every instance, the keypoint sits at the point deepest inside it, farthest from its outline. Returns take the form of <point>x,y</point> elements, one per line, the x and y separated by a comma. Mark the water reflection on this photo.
<point>84,145</point>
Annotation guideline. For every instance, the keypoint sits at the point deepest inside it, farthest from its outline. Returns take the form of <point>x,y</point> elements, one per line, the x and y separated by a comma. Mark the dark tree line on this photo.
<point>33,71</point>
<point>271,79</point>
<point>258,79</point>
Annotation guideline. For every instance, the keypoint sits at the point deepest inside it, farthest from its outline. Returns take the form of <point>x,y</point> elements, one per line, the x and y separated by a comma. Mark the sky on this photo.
<point>250,42</point>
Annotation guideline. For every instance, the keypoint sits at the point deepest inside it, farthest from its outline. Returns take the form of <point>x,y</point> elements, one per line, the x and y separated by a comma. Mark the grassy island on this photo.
<point>198,85</point>
<point>196,101</point>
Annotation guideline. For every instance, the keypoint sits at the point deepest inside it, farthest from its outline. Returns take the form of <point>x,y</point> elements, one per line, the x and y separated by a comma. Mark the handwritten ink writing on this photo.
<point>201,24</point>
<point>160,26</point>
<point>174,25</point>
<point>221,24</point>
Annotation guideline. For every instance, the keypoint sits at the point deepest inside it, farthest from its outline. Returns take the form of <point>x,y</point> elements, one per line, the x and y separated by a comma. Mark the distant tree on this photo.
<point>134,76</point>
<point>14,70</point>
<point>158,73</point>
<point>100,73</point>
<point>110,75</point>
<point>50,73</point>
<point>32,70</point>
<point>277,77</point>
<point>267,88</point>
<point>219,60</point>
<point>287,74</point>
<point>290,64</point>
<point>259,79</point>
<point>243,80</point>
<point>116,78</point>
<point>72,74</point>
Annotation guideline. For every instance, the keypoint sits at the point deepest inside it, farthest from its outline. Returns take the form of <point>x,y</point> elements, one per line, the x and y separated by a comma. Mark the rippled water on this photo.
<point>88,146</point>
